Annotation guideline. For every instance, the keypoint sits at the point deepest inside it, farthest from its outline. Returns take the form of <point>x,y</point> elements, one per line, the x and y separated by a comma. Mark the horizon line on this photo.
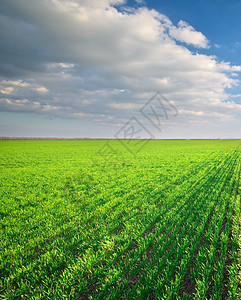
<point>4,138</point>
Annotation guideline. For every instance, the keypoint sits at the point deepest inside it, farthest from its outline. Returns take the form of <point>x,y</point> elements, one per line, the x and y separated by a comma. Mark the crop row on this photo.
<point>171,243</point>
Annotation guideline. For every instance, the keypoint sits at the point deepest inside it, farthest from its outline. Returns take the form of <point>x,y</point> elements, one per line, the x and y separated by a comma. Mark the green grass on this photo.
<point>111,220</point>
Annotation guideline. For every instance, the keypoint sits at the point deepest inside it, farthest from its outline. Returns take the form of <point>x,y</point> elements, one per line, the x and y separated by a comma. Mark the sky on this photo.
<point>120,69</point>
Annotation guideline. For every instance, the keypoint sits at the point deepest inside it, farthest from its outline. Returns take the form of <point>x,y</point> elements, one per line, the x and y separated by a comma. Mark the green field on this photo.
<point>110,220</point>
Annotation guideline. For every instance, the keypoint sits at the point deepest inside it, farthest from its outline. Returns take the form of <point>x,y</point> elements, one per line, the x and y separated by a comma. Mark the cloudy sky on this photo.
<point>91,68</point>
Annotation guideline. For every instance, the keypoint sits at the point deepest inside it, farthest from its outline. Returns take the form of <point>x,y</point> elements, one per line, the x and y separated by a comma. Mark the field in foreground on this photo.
<point>112,220</point>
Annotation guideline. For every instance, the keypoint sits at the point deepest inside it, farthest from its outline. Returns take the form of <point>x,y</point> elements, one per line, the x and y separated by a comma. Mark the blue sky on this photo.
<point>81,68</point>
<point>218,20</point>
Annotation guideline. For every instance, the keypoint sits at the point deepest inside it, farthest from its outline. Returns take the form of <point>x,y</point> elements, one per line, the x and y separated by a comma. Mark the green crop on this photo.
<point>110,220</point>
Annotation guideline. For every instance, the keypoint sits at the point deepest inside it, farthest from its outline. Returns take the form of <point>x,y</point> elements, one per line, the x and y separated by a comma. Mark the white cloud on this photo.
<point>191,112</point>
<point>140,1</point>
<point>48,107</point>
<point>21,101</point>
<point>42,89</point>
<point>124,106</point>
<point>66,66</point>
<point>235,96</point>
<point>187,34</point>
<point>15,83</point>
<point>14,86</point>
<point>7,90</point>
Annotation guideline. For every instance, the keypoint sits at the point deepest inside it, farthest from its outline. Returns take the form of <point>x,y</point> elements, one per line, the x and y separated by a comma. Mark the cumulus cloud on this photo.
<point>7,90</point>
<point>187,34</point>
<point>18,86</point>
<point>15,83</point>
<point>42,89</point>
<point>101,60</point>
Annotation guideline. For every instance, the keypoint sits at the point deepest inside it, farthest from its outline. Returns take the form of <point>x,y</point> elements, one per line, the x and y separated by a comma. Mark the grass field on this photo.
<point>111,220</point>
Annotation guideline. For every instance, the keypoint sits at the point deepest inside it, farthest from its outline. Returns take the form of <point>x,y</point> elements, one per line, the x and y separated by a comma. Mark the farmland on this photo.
<point>110,220</point>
